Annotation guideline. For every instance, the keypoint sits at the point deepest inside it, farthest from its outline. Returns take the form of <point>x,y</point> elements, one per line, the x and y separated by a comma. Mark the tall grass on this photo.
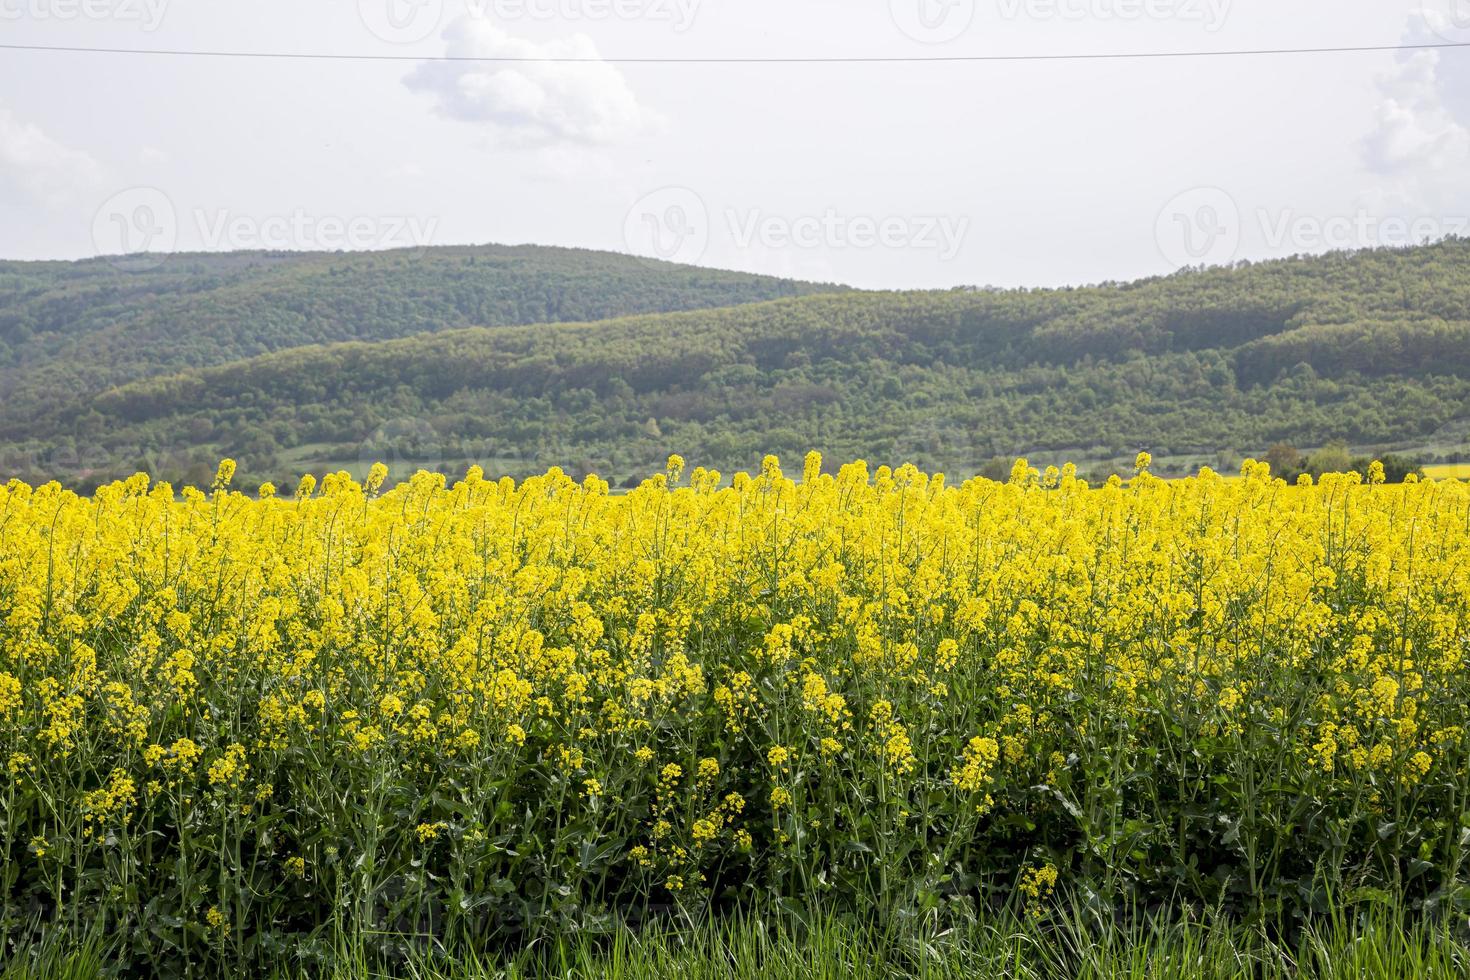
<point>1374,942</point>
<point>1381,942</point>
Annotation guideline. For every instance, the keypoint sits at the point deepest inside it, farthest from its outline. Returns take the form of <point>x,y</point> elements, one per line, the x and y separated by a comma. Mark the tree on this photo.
<point>1331,458</point>
<point>997,468</point>
<point>1286,461</point>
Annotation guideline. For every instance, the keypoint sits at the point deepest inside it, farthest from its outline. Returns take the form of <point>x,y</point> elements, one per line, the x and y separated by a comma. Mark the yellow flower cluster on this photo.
<point>979,759</point>
<point>579,698</point>
<point>1036,886</point>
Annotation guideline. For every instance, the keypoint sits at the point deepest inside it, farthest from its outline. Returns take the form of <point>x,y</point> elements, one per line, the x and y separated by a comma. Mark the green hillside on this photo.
<point>1372,348</point>
<point>69,327</point>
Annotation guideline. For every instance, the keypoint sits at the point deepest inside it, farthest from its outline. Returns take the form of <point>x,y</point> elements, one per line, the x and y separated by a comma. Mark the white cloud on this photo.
<point>40,166</point>
<point>1420,141</point>
<point>1414,130</point>
<point>585,102</point>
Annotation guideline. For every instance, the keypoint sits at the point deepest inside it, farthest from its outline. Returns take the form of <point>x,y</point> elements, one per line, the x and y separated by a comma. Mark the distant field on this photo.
<point>1448,471</point>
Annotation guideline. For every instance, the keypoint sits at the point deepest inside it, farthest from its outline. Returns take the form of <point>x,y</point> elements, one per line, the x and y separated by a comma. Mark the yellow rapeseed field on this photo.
<point>233,726</point>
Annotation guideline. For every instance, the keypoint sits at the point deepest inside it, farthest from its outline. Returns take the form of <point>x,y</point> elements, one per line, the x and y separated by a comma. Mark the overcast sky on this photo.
<point>878,175</point>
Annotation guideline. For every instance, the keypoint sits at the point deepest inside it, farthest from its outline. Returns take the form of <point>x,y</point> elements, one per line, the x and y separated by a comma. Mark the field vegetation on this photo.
<point>913,722</point>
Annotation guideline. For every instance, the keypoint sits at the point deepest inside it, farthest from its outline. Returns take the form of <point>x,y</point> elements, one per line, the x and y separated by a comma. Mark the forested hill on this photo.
<point>1372,348</point>
<point>69,327</point>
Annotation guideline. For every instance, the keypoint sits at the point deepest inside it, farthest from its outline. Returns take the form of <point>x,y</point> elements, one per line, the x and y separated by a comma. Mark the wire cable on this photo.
<point>795,60</point>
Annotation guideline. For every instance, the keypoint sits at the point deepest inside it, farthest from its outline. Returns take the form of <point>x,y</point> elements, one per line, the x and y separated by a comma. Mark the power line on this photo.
<point>841,60</point>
